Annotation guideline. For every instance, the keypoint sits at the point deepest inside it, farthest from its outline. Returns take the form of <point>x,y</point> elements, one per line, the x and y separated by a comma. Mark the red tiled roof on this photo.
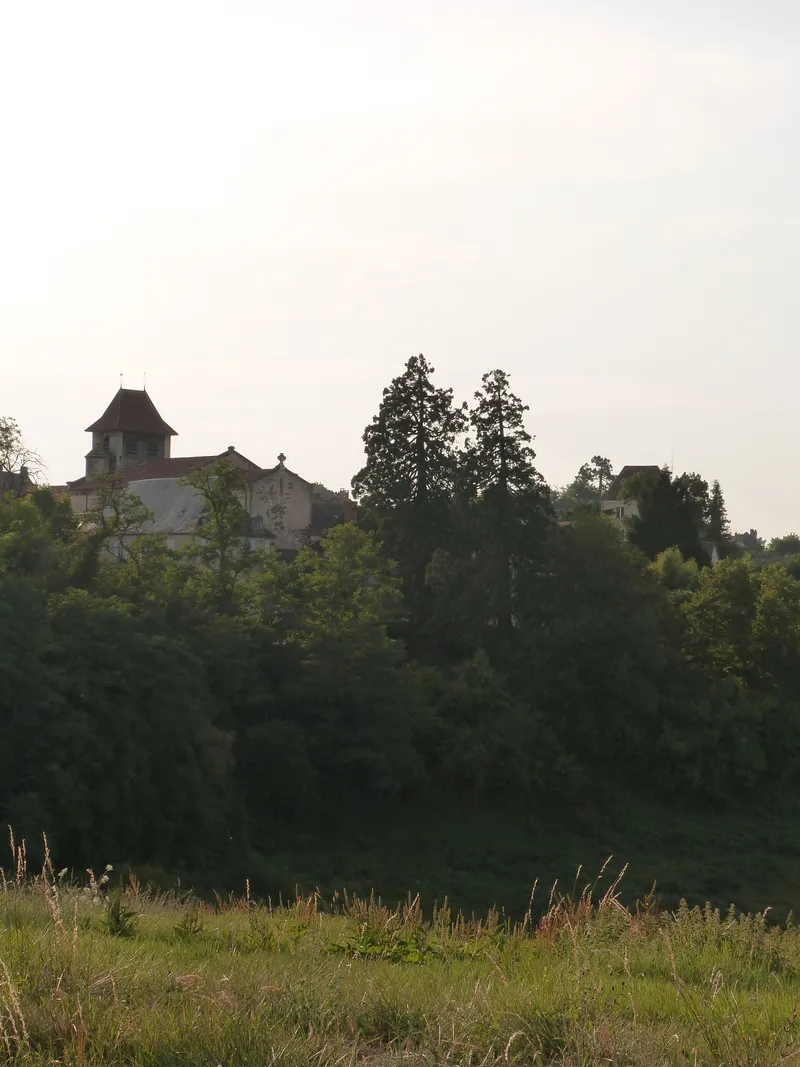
<point>147,469</point>
<point>176,467</point>
<point>131,411</point>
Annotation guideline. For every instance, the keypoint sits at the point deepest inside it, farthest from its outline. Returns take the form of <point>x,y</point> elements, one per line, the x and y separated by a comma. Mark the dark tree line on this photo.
<point>459,642</point>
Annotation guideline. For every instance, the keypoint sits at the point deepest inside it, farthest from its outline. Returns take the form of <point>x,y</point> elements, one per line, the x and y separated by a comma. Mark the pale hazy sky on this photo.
<point>268,207</point>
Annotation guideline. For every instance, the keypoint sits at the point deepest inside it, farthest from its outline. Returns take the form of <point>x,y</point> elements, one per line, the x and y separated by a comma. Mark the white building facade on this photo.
<point>132,440</point>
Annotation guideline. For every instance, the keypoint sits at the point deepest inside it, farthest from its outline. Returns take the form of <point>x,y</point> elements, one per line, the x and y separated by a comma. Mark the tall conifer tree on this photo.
<point>510,494</point>
<point>718,529</point>
<point>411,443</point>
<point>406,483</point>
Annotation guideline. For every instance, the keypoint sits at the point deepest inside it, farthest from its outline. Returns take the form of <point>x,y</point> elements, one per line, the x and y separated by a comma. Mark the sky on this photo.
<point>267,208</point>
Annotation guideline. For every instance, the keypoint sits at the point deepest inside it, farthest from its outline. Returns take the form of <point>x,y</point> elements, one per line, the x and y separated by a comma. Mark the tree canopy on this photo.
<point>458,643</point>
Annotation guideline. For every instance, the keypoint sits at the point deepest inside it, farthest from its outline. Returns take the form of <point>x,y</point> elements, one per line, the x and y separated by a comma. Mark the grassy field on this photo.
<point>100,976</point>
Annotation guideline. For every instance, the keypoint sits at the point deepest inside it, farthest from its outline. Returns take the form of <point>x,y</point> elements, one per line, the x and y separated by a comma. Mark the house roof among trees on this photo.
<point>14,484</point>
<point>628,471</point>
<point>131,411</point>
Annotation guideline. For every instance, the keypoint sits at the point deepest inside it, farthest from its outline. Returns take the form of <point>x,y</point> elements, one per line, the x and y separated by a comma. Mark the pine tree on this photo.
<point>500,456</point>
<point>509,492</point>
<point>718,528</point>
<point>406,484</point>
<point>411,442</point>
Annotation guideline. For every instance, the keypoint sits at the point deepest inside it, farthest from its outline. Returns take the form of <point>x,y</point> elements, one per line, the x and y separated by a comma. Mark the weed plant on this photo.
<point>119,919</point>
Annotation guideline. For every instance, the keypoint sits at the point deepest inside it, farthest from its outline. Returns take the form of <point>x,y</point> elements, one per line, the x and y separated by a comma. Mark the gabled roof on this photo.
<point>256,474</point>
<point>148,469</point>
<point>131,411</point>
<point>175,467</point>
<point>178,466</point>
<point>613,491</point>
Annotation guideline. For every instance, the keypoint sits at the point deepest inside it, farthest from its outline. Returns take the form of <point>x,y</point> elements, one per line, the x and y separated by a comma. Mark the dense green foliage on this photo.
<point>460,647</point>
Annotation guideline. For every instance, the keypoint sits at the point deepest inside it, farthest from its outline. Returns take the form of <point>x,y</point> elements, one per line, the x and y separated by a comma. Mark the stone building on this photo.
<point>132,439</point>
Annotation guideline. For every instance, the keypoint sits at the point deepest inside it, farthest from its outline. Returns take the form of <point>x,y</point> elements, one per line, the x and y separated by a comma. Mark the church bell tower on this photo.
<point>129,430</point>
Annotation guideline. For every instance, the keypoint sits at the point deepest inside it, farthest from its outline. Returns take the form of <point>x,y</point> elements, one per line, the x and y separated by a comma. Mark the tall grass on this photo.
<point>355,981</point>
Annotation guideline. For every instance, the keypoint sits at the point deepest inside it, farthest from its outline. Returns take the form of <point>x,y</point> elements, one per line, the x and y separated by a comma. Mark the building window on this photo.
<point>106,445</point>
<point>152,449</point>
<point>131,448</point>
